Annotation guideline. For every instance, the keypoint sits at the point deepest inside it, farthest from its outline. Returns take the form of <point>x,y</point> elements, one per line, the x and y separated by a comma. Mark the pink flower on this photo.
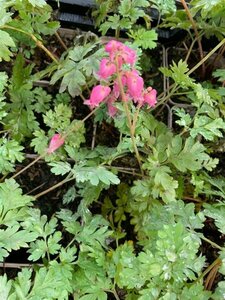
<point>113,46</point>
<point>150,96</point>
<point>106,69</point>
<point>123,53</point>
<point>98,94</point>
<point>135,84</point>
<point>56,141</point>
<point>129,55</point>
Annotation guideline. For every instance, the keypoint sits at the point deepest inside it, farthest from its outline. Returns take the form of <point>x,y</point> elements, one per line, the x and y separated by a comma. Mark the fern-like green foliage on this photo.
<point>125,15</point>
<point>77,68</point>
<point>14,209</point>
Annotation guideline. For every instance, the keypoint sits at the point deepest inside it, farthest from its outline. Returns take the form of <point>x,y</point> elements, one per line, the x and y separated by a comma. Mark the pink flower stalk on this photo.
<point>106,69</point>
<point>112,110</point>
<point>56,141</point>
<point>135,85</point>
<point>116,89</point>
<point>98,94</point>
<point>150,96</point>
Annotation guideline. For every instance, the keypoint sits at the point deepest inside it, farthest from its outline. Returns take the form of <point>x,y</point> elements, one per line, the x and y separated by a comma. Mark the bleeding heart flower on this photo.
<point>98,94</point>
<point>106,69</point>
<point>150,96</point>
<point>56,141</point>
<point>135,84</point>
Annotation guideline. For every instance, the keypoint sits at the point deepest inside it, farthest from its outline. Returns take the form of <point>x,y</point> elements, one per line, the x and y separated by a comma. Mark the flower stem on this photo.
<point>33,37</point>
<point>212,243</point>
<point>130,124</point>
<point>196,34</point>
<point>67,179</point>
<point>208,269</point>
<point>28,166</point>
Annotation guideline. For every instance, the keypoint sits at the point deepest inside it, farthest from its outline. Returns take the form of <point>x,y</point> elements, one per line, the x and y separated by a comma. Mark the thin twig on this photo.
<point>53,187</point>
<point>33,37</point>
<point>93,136</point>
<point>8,265</point>
<point>196,34</point>
<point>208,269</point>
<point>28,166</point>
<point>212,243</point>
<point>61,41</point>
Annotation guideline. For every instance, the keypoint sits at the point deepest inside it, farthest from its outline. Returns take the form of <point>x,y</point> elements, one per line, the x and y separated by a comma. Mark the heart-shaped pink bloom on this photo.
<point>150,96</point>
<point>113,46</point>
<point>98,94</point>
<point>135,84</point>
<point>106,69</point>
<point>56,141</point>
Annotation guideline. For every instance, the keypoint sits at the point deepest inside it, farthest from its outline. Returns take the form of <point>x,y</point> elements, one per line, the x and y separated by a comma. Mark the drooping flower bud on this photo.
<point>56,141</point>
<point>135,84</point>
<point>150,96</point>
<point>98,94</point>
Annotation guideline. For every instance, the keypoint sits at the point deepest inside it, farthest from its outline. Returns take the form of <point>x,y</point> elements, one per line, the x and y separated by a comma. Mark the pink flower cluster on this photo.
<point>112,72</point>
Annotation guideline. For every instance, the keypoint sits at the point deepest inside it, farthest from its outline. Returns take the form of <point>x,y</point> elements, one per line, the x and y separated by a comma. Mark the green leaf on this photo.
<point>143,38</point>
<point>6,42</point>
<point>208,128</point>
<point>39,248</point>
<point>39,3</point>
<point>43,100</point>
<point>13,239</point>
<point>165,7</point>
<point>94,175</point>
<point>219,73</point>
<point>185,118</point>
<point>219,292</point>
<point>164,184</point>
<point>74,80</point>
<point>40,142</point>
<point>13,205</point>
<point>22,283</point>
<point>217,213</point>
<point>59,119</point>
<point>178,72</point>
<point>3,81</point>
<point>5,287</point>
<point>11,151</point>
<point>191,156</point>
<point>60,168</point>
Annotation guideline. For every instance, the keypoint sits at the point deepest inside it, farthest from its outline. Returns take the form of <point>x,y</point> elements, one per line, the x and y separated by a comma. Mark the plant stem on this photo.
<point>33,37</point>
<point>212,243</point>
<point>136,117</point>
<point>196,33</point>
<point>28,166</point>
<point>53,187</point>
<point>173,86</point>
<point>206,57</point>
<point>114,292</point>
<point>208,269</point>
<point>125,105</point>
<point>61,41</point>
<point>189,50</point>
